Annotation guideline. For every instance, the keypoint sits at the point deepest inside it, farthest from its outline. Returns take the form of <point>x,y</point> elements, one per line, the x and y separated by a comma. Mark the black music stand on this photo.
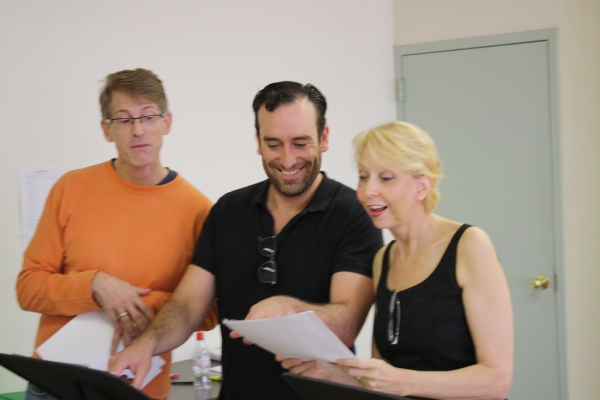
<point>71,382</point>
<point>317,389</point>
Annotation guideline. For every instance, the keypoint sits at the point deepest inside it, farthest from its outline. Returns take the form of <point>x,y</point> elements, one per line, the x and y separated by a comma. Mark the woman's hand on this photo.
<point>373,374</point>
<point>318,370</point>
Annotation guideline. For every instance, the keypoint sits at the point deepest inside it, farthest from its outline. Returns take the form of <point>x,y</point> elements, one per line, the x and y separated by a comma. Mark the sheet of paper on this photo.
<point>34,185</point>
<point>86,340</point>
<point>302,336</point>
<point>215,354</point>
<point>217,370</point>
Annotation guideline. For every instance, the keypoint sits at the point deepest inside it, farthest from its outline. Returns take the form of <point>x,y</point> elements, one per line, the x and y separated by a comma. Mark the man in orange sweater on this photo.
<point>116,236</point>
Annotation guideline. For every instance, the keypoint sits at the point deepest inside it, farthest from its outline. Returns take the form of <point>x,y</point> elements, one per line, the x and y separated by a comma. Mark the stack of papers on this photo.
<point>302,336</point>
<point>86,341</point>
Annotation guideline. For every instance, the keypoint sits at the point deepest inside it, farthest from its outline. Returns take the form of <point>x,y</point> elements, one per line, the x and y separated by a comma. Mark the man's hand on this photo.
<point>128,330</point>
<point>273,307</point>
<point>277,306</point>
<point>137,357</point>
<point>351,296</point>
<point>123,303</point>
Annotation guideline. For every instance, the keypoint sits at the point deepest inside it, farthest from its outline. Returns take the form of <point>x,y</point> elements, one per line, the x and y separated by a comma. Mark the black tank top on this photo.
<point>433,331</point>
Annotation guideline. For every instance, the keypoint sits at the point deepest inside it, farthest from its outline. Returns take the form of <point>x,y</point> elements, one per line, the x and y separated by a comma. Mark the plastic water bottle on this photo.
<point>201,363</point>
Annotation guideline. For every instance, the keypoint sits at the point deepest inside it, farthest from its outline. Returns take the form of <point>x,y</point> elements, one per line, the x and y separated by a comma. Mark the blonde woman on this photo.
<point>443,327</point>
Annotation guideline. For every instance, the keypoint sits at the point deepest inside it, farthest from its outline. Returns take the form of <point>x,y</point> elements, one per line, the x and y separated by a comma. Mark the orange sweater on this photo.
<point>96,221</point>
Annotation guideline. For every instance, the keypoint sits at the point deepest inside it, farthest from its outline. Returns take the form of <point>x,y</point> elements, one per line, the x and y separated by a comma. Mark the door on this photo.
<point>488,109</point>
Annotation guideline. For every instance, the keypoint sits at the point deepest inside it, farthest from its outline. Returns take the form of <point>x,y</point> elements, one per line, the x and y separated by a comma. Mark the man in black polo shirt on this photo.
<point>298,241</point>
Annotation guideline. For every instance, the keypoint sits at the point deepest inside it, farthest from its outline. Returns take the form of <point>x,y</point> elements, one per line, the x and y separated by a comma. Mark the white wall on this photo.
<point>578,23</point>
<point>212,57</point>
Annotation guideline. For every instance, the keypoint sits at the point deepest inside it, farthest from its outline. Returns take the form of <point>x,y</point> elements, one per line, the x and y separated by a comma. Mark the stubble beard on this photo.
<point>311,173</point>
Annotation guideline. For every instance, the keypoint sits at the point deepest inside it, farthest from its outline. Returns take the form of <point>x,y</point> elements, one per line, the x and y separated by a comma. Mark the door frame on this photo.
<point>549,36</point>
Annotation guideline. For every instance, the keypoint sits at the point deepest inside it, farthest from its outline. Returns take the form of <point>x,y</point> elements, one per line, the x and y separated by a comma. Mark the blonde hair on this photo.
<point>406,147</point>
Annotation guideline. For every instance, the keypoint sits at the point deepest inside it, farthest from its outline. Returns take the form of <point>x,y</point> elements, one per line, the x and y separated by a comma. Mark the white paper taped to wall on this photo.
<point>34,186</point>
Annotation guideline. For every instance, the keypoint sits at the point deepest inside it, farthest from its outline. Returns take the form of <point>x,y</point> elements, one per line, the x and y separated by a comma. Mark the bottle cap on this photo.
<point>199,335</point>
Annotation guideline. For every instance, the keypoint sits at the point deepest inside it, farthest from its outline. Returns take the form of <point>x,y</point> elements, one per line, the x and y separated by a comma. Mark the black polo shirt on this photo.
<point>332,234</point>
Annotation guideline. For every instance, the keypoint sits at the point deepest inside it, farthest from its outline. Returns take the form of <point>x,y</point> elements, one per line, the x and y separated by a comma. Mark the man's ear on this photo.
<point>325,139</point>
<point>423,187</point>
<point>258,150</point>
<point>168,121</point>
<point>106,130</point>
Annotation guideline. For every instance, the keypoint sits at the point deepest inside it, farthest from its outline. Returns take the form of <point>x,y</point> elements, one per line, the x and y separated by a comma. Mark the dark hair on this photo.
<point>136,82</point>
<point>286,92</point>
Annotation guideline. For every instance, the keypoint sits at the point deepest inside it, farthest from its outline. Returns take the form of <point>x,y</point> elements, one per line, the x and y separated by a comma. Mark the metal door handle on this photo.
<point>541,282</point>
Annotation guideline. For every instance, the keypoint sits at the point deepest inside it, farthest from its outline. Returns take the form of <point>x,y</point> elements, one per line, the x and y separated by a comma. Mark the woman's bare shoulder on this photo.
<point>476,257</point>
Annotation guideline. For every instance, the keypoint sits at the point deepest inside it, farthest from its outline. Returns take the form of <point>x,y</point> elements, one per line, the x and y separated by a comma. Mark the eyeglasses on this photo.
<point>127,123</point>
<point>394,333</point>
<point>267,272</point>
